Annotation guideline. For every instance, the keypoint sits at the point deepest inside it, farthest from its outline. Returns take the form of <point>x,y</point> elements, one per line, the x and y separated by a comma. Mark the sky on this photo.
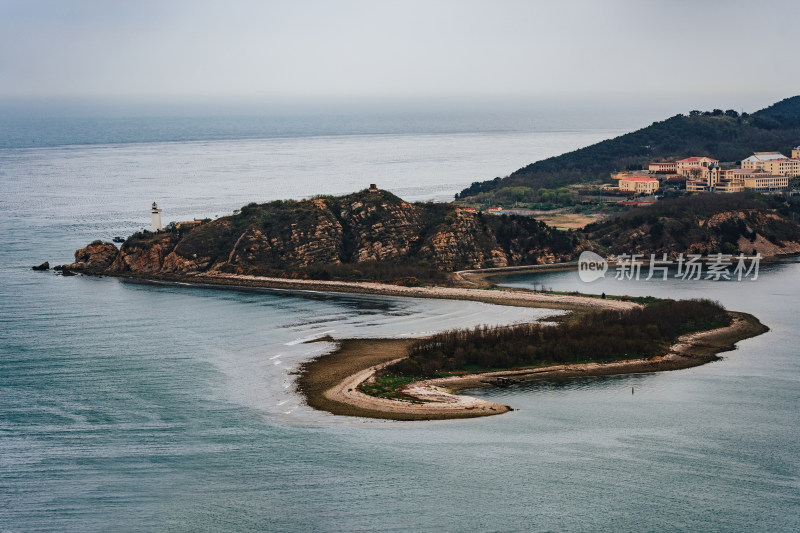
<point>245,50</point>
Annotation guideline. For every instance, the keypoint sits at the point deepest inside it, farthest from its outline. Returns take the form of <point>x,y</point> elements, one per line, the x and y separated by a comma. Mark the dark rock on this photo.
<point>43,266</point>
<point>67,272</point>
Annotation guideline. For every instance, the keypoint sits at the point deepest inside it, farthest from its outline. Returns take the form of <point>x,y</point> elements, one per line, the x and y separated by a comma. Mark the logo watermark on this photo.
<point>716,267</point>
<point>591,267</point>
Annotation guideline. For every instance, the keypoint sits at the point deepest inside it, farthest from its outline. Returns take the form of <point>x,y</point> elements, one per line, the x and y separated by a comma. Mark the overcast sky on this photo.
<point>139,49</point>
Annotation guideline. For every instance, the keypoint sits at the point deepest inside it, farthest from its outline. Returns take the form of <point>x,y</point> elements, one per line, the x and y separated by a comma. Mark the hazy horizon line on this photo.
<point>382,104</point>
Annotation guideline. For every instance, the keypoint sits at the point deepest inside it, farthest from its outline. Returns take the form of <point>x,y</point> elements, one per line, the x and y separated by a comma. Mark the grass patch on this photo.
<point>387,386</point>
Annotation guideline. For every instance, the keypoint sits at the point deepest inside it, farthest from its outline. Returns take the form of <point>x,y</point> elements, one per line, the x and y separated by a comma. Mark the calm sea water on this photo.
<point>138,407</point>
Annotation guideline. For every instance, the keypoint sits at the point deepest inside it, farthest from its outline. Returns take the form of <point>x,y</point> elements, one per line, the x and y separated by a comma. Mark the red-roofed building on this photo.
<point>785,166</point>
<point>693,164</point>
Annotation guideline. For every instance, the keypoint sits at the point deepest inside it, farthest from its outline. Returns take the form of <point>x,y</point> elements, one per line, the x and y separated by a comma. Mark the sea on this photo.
<point>130,406</point>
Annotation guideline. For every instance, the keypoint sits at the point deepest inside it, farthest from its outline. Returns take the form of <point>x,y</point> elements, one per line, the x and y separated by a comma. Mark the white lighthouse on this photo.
<point>155,220</point>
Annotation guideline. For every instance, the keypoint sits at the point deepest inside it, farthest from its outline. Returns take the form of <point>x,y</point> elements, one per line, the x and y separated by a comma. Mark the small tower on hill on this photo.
<point>155,218</point>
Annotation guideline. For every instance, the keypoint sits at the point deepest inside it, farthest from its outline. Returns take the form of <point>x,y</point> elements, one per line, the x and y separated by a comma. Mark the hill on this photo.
<point>366,235</point>
<point>723,135</point>
<point>377,236</point>
<point>705,224</point>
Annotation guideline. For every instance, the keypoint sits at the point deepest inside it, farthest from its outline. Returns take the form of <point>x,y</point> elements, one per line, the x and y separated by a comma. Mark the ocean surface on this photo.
<point>143,407</point>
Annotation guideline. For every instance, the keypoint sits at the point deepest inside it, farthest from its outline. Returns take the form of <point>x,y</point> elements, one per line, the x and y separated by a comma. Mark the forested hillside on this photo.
<point>723,135</point>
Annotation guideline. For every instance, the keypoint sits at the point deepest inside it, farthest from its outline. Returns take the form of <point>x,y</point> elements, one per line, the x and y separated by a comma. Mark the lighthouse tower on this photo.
<point>155,220</point>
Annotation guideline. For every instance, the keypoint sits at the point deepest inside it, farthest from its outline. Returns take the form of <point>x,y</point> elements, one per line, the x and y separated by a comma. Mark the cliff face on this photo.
<point>371,234</point>
<point>707,224</point>
<point>97,257</point>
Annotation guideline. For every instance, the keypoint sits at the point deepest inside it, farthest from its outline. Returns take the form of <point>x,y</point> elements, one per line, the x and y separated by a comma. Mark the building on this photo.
<point>738,180</point>
<point>766,183</point>
<point>639,185</point>
<point>697,185</point>
<point>373,187</point>
<point>155,218</point>
<point>786,166</point>
<point>732,179</point>
<point>730,186</point>
<point>665,167</point>
<point>690,165</point>
<point>495,209</point>
<point>757,160</point>
<point>796,152</point>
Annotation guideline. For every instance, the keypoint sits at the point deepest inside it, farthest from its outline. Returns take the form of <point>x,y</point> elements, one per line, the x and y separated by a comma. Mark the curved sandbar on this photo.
<point>321,378</point>
<point>330,383</point>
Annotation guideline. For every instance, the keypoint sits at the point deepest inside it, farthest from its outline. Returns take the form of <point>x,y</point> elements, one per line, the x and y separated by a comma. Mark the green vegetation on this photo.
<point>596,337</point>
<point>388,387</point>
<point>723,135</point>
<point>146,238</point>
<point>542,198</point>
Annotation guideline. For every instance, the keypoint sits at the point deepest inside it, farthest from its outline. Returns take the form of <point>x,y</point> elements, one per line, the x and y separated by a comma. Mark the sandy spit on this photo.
<point>513,297</point>
<point>331,382</point>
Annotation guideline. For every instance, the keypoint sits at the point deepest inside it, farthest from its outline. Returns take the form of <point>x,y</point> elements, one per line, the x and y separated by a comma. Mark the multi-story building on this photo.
<point>783,167</point>
<point>757,160</point>
<point>766,183</point>
<point>639,185</point>
<point>664,167</point>
<point>730,186</point>
<point>701,173</point>
<point>697,186</point>
<point>690,165</point>
<point>738,180</point>
<point>733,179</point>
<point>796,152</point>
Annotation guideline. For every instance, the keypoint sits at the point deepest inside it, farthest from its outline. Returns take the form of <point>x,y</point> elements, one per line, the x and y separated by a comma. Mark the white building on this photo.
<point>155,218</point>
